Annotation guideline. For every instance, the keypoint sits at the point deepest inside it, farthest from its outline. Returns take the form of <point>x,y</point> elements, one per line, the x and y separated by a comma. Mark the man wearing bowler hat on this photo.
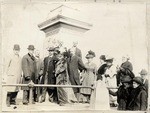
<point>13,72</point>
<point>144,74</point>
<point>29,70</point>
<point>49,76</point>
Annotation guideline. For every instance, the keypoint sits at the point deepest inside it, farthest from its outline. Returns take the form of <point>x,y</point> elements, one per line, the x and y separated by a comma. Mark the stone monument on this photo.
<point>64,25</point>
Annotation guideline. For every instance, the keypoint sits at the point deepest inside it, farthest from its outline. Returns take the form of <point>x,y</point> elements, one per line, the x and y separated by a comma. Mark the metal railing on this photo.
<point>31,85</point>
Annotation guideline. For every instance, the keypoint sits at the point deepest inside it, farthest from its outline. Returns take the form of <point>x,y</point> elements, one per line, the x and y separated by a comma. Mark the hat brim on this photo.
<point>109,60</point>
<point>88,57</point>
<point>18,49</point>
<point>126,81</point>
<point>138,82</point>
<point>50,50</point>
<point>31,49</point>
<point>142,73</point>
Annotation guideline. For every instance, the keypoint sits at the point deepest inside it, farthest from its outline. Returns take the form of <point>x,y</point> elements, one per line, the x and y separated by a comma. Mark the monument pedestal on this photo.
<point>65,25</point>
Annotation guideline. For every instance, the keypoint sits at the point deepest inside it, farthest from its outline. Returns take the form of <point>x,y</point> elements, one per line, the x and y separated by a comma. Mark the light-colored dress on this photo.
<point>13,71</point>
<point>102,96</point>
<point>88,80</point>
<point>111,81</point>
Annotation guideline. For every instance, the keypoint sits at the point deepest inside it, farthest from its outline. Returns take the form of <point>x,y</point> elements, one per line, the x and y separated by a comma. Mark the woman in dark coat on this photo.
<point>102,68</point>
<point>123,93</point>
<point>138,96</point>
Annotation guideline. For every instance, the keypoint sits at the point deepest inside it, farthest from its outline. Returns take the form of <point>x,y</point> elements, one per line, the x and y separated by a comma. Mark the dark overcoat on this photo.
<point>74,64</point>
<point>78,52</point>
<point>146,85</point>
<point>138,99</point>
<point>49,70</point>
<point>122,96</point>
<point>29,69</point>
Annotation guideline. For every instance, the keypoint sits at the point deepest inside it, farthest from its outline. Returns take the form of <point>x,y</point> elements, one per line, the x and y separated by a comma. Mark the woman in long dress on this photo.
<point>110,80</point>
<point>88,77</point>
<point>65,95</point>
<point>102,94</point>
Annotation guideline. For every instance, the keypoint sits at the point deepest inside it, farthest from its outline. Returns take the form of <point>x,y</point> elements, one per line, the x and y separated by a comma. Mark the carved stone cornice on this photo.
<point>60,19</point>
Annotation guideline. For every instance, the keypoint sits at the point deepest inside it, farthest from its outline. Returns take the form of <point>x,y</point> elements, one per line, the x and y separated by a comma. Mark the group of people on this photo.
<point>132,92</point>
<point>67,68</point>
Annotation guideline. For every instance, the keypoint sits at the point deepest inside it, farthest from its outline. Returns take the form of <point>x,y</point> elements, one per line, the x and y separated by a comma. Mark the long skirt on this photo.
<point>112,82</point>
<point>102,96</point>
<point>88,80</point>
<point>65,95</point>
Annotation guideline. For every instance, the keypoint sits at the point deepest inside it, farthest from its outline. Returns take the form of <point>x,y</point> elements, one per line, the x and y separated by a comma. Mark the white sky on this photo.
<point>118,29</point>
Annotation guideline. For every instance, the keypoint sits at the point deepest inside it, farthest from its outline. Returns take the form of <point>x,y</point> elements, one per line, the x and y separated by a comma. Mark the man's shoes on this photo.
<point>61,104</point>
<point>25,102</point>
<point>113,105</point>
<point>13,103</point>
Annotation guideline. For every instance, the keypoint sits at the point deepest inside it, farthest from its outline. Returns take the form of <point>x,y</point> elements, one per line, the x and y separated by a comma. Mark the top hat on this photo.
<point>138,80</point>
<point>16,47</point>
<point>51,49</point>
<point>143,72</point>
<point>31,47</point>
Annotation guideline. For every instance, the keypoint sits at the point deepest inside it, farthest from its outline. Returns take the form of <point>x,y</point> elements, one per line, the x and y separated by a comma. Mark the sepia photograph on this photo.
<point>72,55</point>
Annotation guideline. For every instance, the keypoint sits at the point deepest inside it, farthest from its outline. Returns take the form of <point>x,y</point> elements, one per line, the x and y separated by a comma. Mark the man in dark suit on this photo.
<point>77,50</point>
<point>49,76</point>
<point>74,64</point>
<point>126,64</point>
<point>29,70</point>
<point>126,68</point>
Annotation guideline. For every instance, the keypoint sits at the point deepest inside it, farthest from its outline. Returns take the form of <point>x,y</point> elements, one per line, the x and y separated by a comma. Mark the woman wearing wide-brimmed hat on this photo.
<point>102,94</point>
<point>138,96</point>
<point>102,69</point>
<point>88,77</point>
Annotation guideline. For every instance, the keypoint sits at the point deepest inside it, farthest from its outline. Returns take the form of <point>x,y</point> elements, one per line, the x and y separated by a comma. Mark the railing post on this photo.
<point>30,95</point>
<point>92,98</point>
<point>31,85</point>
